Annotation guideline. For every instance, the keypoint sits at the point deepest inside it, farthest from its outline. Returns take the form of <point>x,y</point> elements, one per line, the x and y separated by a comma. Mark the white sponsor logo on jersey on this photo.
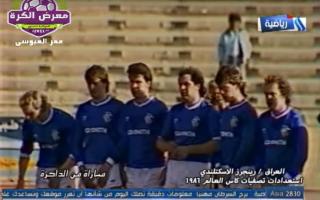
<point>139,132</point>
<point>96,130</point>
<point>226,134</point>
<point>275,142</point>
<point>185,133</point>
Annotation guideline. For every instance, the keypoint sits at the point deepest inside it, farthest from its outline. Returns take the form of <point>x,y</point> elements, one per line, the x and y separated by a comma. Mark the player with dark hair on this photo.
<point>190,133</point>
<point>54,130</point>
<point>237,123</point>
<point>98,119</point>
<point>283,129</point>
<point>140,124</point>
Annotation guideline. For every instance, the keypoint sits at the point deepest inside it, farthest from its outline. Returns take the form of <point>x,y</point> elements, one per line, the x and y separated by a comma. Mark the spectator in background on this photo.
<point>234,46</point>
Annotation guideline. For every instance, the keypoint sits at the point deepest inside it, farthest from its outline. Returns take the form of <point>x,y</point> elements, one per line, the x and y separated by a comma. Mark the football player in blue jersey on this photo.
<point>190,133</point>
<point>218,104</point>
<point>141,122</point>
<point>53,130</point>
<point>283,129</point>
<point>98,119</point>
<point>215,97</point>
<point>237,123</point>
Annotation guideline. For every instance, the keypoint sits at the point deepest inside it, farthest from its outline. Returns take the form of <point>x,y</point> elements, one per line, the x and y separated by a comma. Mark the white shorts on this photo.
<point>114,179</point>
<point>177,171</point>
<point>43,183</point>
<point>144,177</point>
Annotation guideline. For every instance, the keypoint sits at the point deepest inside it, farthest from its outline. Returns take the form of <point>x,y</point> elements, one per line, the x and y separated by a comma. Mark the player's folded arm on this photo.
<point>165,141</point>
<point>164,144</point>
<point>207,147</point>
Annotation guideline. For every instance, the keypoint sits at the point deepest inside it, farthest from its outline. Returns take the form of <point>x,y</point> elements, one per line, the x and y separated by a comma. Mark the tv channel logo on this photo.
<point>282,23</point>
<point>39,17</point>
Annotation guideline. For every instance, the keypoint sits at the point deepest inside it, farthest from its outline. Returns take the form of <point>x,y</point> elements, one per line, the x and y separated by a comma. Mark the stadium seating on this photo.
<point>18,69</point>
<point>290,69</point>
<point>299,85</point>
<point>299,101</point>
<point>10,37</point>
<point>21,53</point>
<point>286,54</point>
<point>285,39</point>
<point>195,8</point>
<point>170,98</point>
<point>21,83</point>
<point>166,35</point>
<point>180,34</point>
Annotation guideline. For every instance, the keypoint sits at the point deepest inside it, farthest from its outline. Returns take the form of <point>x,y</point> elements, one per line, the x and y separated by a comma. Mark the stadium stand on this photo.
<point>167,35</point>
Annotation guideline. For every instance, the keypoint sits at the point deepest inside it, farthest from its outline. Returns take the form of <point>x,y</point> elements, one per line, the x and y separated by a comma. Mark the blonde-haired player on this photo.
<point>53,129</point>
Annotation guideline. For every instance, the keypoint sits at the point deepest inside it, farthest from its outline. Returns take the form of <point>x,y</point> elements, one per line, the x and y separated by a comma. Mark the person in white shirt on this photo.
<point>234,48</point>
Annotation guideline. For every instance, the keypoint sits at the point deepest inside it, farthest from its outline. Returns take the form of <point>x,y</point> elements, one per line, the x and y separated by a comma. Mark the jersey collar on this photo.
<point>194,106</point>
<point>49,117</point>
<point>283,113</point>
<point>102,102</point>
<point>144,103</point>
<point>238,104</point>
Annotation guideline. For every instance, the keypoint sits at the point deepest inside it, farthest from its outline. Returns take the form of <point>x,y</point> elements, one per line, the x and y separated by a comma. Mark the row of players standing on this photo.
<point>193,133</point>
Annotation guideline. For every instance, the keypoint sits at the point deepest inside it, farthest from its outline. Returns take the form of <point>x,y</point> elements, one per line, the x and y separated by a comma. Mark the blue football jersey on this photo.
<point>140,127</point>
<point>193,125</point>
<point>285,140</point>
<point>99,135</point>
<point>216,157</point>
<point>238,135</point>
<point>54,136</point>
